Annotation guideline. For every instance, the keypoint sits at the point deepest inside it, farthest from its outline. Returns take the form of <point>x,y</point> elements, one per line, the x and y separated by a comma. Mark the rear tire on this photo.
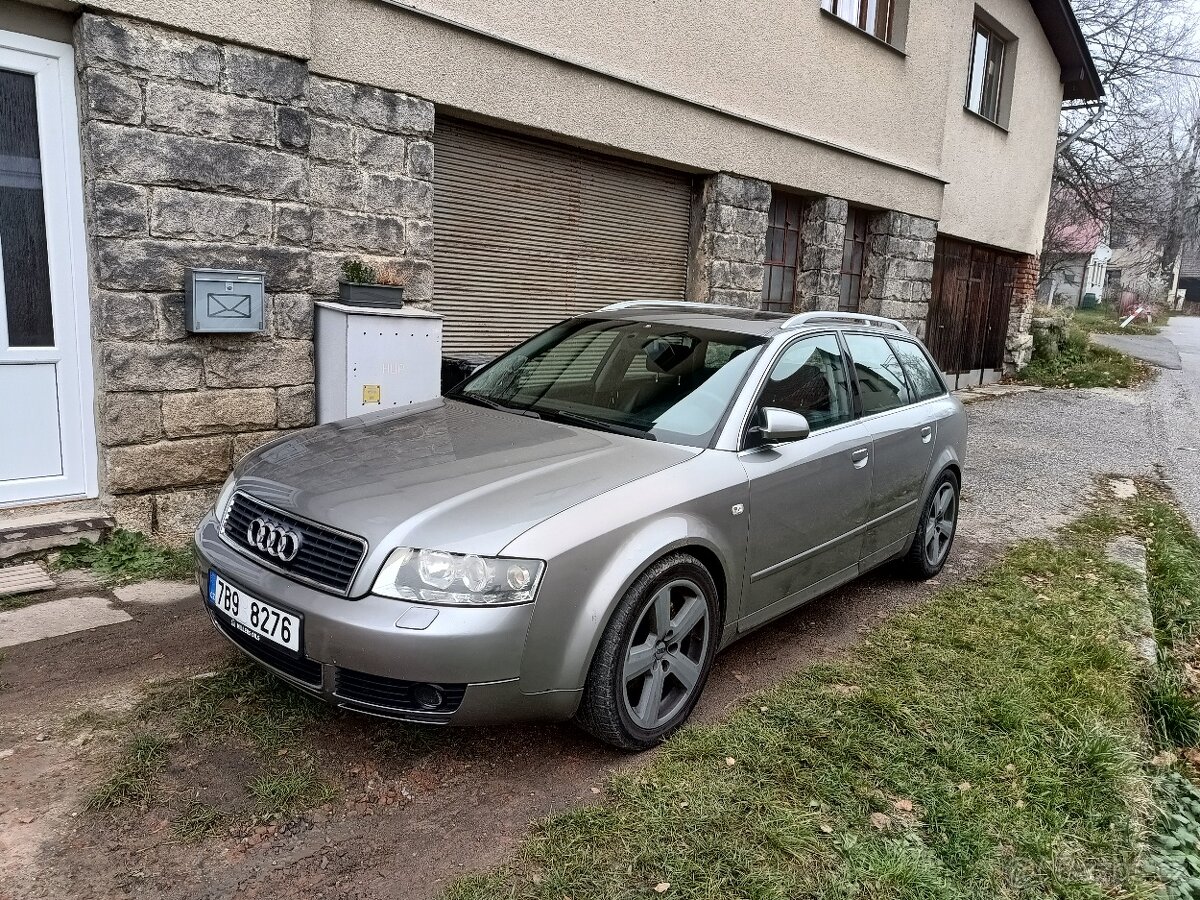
<point>654,656</point>
<point>935,529</point>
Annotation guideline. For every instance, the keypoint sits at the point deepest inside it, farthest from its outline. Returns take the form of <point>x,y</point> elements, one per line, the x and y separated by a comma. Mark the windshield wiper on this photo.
<point>589,422</point>
<point>480,400</point>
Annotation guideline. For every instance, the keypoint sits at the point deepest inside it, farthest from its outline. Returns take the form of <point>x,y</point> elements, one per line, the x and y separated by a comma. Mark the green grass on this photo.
<point>1103,320</point>
<point>987,745</point>
<point>198,820</point>
<point>126,556</point>
<point>1081,364</point>
<point>286,792</point>
<point>133,780</point>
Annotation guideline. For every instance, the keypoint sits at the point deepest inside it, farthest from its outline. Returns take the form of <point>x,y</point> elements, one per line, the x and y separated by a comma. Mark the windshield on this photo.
<point>652,380</point>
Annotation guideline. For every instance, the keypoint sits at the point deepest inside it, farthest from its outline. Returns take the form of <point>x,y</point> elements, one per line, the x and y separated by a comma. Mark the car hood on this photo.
<point>446,474</point>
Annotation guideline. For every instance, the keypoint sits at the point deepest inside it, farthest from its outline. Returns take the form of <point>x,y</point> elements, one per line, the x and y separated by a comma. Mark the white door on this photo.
<point>47,426</point>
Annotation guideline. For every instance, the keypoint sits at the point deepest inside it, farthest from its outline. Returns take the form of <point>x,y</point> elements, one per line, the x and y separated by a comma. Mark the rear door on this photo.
<point>809,498</point>
<point>902,431</point>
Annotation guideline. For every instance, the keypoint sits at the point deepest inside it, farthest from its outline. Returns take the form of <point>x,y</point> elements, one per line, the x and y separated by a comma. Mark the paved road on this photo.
<point>1155,349</point>
<point>1175,424</point>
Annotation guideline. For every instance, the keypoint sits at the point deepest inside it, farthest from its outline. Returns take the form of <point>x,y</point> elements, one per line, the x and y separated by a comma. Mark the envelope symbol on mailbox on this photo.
<point>229,306</point>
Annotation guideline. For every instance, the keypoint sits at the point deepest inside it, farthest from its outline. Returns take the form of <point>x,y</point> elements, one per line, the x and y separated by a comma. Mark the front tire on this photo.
<point>935,529</point>
<point>654,656</point>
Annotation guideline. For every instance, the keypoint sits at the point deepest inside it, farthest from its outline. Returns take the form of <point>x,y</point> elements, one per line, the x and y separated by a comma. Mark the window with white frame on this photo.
<point>872,16</point>
<point>986,74</point>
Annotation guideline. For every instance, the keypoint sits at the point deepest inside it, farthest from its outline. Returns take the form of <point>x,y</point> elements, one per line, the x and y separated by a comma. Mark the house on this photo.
<point>516,162</point>
<point>1188,283</point>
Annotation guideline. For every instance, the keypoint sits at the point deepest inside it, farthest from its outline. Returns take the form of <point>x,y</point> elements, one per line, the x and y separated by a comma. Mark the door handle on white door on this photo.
<point>926,434</point>
<point>860,457</point>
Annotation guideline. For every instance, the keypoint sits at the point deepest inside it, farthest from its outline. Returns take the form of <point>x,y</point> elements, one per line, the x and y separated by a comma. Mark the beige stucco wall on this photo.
<point>999,181</point>
<point>795,97</point>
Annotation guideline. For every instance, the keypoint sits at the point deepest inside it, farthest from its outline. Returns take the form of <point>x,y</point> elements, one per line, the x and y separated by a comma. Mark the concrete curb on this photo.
<point>1131,552</point>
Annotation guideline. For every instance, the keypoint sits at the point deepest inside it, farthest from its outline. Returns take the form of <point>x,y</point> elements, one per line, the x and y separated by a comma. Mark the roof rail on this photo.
<point>858,318</point>
<point>670,304</point>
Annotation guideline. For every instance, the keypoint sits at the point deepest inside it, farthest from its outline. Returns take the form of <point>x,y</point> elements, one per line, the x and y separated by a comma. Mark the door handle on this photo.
<point>926,434</point>
<point>860,457</point>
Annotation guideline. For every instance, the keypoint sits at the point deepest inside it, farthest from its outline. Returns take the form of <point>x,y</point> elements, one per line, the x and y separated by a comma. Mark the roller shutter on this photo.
<point>529,232</point>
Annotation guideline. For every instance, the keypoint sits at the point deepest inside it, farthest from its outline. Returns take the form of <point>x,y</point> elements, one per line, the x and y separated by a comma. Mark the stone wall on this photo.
<point>822,239</point>
<point>1018,343</point>
<point>729,238</point>
<point>213,155</point>
<point>898,271</point>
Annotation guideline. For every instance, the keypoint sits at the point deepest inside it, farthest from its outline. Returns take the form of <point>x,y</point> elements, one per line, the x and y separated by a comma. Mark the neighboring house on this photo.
<point>1189,272</point>
<point>517,162</point>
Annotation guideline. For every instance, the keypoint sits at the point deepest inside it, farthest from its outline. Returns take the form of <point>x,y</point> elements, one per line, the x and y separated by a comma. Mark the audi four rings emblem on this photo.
<point>273,539</point>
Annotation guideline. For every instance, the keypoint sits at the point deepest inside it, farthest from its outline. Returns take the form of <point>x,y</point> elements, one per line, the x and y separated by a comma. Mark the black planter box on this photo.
<point>376,296</point>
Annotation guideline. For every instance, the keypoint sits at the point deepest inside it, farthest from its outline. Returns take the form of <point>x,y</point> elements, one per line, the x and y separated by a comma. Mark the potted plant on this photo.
<point>363,285</point>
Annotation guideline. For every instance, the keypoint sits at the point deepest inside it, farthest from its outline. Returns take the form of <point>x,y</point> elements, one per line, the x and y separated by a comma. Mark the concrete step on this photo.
<point>51,530</point>
<point>25,578</point>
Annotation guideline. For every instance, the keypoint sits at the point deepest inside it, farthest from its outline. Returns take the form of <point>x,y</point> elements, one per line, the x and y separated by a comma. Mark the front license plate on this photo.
<point>252,616</point>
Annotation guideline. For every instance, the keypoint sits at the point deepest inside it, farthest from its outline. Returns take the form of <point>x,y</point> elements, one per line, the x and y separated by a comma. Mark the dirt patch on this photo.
<point>412,808</point>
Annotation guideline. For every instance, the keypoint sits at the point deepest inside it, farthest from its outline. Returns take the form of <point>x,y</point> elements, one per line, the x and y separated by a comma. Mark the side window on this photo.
<point>922,378</point>
<point>810,378</point>
<point>880,376</point>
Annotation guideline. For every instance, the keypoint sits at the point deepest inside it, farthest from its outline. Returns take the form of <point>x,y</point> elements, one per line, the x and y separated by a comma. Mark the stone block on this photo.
<point>167,464</point>
<point>157,158</point>
<point>291,316</point>
<point>179,512</point>
<point>419,236</point>
<point>923,229</point>
<point>736,275</point>
<point>381,152</point>
<point>730,297</point>
<point>420,160</point>
<point>374,107</point>
<point>150,367</point>
<point>118,210</point>
<point>746,193</point>
<point>275,364</point>
<point>297,406</point>
<point>209,217</point>
<point>293,224</point>
<point>739,247</point>
<point>112,97</point>
<point>330,140</point>
<point>748,222</point>
<point>134,512</point>
<point>124,44</point>
<point>125,316</point>
<point>130,418</point>
<point>170,318</point>
<point>340,187</point>
<point>216,412</point>
<point>157,265</point>
<point>293,128</point>
<point>203,113</point>
<point>336,229</point>
<point>252,440</point>
<point>404,196</point>
<point>265,76</point>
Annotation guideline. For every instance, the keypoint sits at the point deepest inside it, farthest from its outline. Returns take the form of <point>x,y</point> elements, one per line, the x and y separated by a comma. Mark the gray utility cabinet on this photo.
<point>371,359</point>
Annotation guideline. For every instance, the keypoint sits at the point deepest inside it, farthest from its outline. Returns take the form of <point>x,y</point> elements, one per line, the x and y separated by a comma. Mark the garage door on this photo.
<point>529,232</point>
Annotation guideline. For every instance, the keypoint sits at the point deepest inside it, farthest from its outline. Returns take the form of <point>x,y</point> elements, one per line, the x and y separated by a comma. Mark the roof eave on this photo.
<point>1079,77</point>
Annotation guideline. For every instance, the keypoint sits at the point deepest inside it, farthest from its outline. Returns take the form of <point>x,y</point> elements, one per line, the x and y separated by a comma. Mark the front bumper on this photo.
<point>355,655</point>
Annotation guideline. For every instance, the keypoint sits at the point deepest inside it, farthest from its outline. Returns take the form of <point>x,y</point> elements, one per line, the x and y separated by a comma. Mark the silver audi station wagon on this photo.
<point>579,527</point>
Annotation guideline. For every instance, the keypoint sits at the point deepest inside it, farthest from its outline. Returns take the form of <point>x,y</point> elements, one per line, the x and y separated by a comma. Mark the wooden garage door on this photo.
<point>968,315</point>
<point>529,232</point>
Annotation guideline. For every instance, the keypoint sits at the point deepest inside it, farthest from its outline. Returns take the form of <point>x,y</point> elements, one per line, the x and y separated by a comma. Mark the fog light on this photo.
<point>428,696</point>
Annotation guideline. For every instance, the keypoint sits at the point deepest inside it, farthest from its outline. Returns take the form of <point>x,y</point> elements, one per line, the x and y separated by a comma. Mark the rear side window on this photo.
<point>881,381</point>
<point>810,378</point>
<point>923,380</point>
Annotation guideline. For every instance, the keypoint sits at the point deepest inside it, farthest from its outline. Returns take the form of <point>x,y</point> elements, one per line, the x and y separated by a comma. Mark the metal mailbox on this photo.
<point>223,301</point>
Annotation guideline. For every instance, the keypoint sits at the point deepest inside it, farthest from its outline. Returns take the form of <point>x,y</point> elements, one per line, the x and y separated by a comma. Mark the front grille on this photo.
<point>301,668</point>
<point>326,559</point>
<point>393,693</point>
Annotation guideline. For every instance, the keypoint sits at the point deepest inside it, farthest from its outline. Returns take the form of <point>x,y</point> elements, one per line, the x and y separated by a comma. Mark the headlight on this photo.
<point>223,498</point>
<point>434,576</point>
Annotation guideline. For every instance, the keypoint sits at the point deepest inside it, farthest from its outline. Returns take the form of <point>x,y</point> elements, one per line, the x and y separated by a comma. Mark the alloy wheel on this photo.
<point>940,519</point>
<point>665,654</point>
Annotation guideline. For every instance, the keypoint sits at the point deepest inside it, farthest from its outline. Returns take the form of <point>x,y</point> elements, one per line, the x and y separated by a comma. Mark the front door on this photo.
<point>808,498</point>
<point>47,429</point>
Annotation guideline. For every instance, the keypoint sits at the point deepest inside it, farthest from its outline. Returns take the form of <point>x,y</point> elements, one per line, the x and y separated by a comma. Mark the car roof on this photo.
<point>738,320</point>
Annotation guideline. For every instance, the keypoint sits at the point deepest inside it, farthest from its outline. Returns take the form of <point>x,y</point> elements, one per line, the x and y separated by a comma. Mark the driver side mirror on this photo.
<point>781,426</point>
